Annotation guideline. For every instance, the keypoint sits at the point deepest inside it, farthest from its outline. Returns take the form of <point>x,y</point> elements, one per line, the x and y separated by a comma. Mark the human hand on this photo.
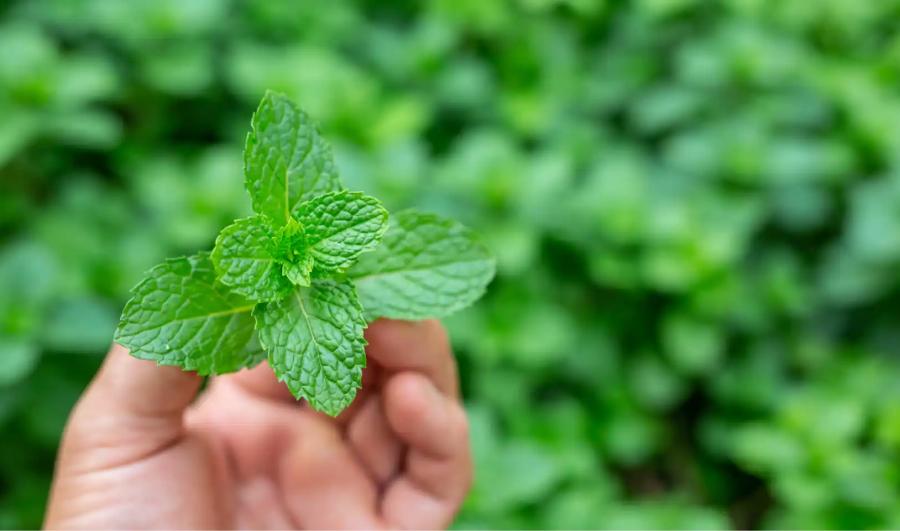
<point>139,452</point>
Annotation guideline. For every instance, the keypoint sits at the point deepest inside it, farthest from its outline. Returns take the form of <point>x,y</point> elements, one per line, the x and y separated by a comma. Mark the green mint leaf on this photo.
<point>340,226</point>
<point>243,258</point>
<point>286,162</point>
<point>299,273</point>
<point>426,266</point>
<point>179,315</point>
<point>252,355</point>
<point>292,251</point>
<point>315,342</point>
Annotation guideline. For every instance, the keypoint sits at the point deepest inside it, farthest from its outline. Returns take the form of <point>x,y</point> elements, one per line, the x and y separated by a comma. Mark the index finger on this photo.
<point>414,346</point>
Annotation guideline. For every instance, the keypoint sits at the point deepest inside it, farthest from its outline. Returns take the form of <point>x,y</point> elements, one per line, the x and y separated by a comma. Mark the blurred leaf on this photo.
<point>181,69</point>
<point>693,346</point>
<point>17,358</point>
<point>79,325</point>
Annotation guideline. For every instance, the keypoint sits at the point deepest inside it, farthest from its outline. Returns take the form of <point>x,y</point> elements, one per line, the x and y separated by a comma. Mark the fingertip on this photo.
<point>421,346</point>
<point>423,417</point>
<point>410,399</point>
<point>433,329</point>
<point>142,387</point>
<point>394,336</point>
<point>261,381</point>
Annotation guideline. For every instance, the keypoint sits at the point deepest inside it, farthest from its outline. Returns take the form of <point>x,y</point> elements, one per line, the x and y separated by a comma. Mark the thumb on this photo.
<point>132,409</point>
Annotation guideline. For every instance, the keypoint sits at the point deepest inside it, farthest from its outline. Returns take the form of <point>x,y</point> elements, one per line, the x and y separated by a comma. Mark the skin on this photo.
<point>142,450</point>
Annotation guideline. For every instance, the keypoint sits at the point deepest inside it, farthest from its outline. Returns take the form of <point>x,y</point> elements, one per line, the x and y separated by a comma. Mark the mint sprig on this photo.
<point>298,282</point>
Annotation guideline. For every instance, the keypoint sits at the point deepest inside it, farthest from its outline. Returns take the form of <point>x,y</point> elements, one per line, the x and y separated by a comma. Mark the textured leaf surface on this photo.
<point>286,162</point>
<point>291,250</point>
<point>340,226</point>
<point>180,316</point>
<point>298,272</point>
<point>243,259</point>
<point>315,343</point>
<point>426,266</point>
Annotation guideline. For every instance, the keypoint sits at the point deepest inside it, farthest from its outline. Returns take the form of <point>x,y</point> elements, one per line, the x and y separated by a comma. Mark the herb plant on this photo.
<point>298,282</point>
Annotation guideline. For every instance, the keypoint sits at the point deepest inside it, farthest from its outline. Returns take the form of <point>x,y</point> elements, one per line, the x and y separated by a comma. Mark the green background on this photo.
<point>695,207</point>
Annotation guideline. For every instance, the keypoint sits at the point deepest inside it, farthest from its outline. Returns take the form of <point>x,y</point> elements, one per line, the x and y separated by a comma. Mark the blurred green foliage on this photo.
<point>695,206</point>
